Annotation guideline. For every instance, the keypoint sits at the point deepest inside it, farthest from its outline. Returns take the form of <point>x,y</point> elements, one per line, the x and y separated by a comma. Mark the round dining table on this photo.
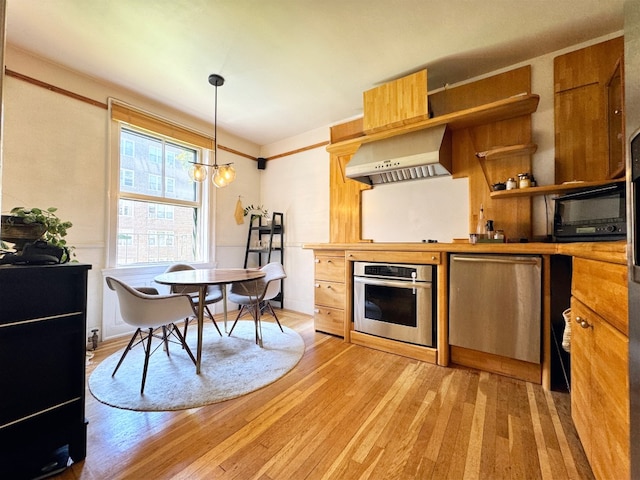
<point>202,278</point>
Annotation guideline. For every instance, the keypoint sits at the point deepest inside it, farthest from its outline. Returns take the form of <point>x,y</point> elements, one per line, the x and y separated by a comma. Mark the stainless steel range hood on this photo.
<point>410,156</point>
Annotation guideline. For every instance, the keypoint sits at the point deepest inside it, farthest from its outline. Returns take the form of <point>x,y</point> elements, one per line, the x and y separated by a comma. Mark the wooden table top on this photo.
<point>209,276</point>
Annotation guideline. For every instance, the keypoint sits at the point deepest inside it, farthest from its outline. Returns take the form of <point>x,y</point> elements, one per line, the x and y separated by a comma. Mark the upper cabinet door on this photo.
<point>586,87</point>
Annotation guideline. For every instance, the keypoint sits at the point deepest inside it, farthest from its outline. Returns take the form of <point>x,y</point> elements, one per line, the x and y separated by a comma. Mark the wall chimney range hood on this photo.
<point>410,156</point>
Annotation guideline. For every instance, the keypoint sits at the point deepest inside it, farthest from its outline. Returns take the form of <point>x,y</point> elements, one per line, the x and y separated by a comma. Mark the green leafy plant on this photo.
<point>56,229</point>
<point>259,210</point>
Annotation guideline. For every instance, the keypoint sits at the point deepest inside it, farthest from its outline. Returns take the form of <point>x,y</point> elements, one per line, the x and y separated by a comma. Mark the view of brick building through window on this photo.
<point>159,205</point>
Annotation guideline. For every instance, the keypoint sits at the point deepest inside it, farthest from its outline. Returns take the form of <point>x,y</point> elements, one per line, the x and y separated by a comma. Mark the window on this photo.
<point>155,183</point>
<point>159,214</point>
<point>170,186</point>
<point>155,154</point>
<point>126,177</point>
<point>125,208</point>
<point>126,148</point>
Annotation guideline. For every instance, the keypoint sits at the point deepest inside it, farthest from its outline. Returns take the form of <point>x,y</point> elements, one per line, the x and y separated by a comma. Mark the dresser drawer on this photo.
<point>330,294</point>
<point>329,268</point>
<point>329,320</point>
<point>602,287</point>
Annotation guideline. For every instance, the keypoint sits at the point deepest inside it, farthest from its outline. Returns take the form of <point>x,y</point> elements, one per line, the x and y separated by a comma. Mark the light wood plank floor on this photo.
<point>344,412</point>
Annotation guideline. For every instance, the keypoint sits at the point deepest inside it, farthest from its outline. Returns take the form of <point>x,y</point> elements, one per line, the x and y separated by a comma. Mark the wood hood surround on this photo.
<point>483,115</point>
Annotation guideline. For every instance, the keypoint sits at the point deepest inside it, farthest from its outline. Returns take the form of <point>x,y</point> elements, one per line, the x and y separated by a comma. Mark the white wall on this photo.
<point>298,186</point>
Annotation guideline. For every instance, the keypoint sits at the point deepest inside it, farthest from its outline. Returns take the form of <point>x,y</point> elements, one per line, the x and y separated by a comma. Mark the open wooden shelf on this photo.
<point>508,151</point>
<point>516,106</point>
<point>551,189</point>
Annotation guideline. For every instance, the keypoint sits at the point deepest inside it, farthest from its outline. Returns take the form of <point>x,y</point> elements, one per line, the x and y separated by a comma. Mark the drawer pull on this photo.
<point>317,285</point>
<point>583,323</point>
<point>316,310</point>
<point>328,260</point>
<point>317,260</point>
<point>329,286</point>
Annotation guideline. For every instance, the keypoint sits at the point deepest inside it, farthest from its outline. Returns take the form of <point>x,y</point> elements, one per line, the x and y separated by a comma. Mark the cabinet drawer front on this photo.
<point>329,320</point>
<point>330,294</point>
<point>602,287</point>
<point>330,268</point>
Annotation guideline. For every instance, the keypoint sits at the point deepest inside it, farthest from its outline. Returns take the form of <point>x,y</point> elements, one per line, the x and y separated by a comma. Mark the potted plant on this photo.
<point>25,225</point>
<point>259,211</point>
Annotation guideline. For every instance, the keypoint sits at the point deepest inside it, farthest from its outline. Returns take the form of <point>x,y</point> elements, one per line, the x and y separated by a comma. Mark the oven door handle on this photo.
<point>391,283</point>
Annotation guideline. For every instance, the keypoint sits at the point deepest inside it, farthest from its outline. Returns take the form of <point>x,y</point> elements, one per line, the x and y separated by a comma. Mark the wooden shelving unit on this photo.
<point>516,106</point>
<point>508,151</point>
<point>551,189</point>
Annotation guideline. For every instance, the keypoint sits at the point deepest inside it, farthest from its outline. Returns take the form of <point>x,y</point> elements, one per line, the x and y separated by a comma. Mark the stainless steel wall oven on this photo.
<point>395,301</point>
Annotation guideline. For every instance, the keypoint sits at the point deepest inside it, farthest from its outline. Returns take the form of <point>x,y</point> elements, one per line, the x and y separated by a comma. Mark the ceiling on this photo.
<point>294,65</point>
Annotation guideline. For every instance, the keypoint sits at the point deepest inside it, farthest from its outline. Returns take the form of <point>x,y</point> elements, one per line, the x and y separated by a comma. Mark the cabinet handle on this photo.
<point>316,310</point>
<point>317,285</point>
<point>434,257</point>
<point>328,260</point>
<point>328,286</point>
<point>317,260</point>
<point>583,323</point>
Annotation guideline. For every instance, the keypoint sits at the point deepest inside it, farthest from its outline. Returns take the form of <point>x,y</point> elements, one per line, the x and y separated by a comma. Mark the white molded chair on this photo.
<point>214,295</point>
<point>258,292</point>
<point>150,312</point>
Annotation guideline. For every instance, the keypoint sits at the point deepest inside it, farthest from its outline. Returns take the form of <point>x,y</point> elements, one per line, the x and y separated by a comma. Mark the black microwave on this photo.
<point>596,214</point>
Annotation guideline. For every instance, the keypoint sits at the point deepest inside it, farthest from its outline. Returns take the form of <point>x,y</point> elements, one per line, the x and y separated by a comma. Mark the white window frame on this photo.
<point>206,227</point>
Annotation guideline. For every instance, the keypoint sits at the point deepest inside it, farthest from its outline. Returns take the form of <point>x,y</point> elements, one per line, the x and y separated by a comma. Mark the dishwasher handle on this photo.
<point>507,260</point>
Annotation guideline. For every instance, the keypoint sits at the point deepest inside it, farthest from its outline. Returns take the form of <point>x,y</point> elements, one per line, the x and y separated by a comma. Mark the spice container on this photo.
<point>511,184</point>
<point>524,180</point>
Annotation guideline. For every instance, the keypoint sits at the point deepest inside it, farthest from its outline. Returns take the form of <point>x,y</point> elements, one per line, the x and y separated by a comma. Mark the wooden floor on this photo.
<point>344,412</point>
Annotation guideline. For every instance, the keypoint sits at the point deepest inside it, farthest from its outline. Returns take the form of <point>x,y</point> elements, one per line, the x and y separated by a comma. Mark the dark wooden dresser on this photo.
<point>42,367</point>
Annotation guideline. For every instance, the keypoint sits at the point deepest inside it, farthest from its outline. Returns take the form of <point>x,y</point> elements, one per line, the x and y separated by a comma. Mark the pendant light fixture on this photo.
<point>223,175</point>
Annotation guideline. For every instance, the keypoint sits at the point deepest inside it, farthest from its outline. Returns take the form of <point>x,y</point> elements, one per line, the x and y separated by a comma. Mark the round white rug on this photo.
<point>231,367</point>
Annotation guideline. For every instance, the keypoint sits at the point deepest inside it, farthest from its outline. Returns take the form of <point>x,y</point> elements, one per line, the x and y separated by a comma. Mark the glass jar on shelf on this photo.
<point>524,180</point>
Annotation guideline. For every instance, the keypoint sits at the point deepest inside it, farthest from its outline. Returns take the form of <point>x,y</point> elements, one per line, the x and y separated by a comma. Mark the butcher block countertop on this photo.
<point>614,252</point>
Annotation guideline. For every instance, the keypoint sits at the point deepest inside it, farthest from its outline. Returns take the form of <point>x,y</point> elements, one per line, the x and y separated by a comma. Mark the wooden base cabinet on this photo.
<point>599,367</point>
<point>330,292</point>
<point>42,367</point>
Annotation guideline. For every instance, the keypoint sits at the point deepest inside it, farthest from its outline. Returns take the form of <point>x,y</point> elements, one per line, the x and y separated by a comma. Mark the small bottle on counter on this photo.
<point>490,229</point>
<point>511,184</point>
<point>481,226</point>
<point>499,235</point>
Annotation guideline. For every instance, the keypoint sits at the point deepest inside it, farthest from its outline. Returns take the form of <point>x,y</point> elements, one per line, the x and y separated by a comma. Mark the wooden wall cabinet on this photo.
<point>588,93</point>
<point>330,292</point>
<point>599,365</point>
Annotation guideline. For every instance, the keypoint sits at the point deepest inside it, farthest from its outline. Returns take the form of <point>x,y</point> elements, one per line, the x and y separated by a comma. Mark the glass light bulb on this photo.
<point>198,173</point>
<point>224,175</point>
<point>218,179</point>
<point>229,173</point>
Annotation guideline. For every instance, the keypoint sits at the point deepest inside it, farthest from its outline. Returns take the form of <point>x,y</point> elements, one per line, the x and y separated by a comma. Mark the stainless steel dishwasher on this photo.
<point>495,304</point>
